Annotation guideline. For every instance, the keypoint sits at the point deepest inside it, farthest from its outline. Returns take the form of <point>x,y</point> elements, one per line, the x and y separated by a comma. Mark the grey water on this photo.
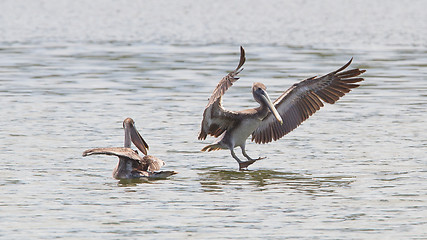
<point>71,71</point>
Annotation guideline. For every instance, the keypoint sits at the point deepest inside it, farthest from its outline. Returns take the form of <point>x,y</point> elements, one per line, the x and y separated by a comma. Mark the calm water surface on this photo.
<point>354,170</point>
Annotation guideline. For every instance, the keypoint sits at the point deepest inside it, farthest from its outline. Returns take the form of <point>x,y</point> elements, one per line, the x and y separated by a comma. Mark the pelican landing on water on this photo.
<point>271,120</point>
<point>131,165</point>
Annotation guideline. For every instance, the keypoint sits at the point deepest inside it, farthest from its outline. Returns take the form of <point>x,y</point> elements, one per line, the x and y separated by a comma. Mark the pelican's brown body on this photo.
<point>271,120</point>
<point>131,165</point>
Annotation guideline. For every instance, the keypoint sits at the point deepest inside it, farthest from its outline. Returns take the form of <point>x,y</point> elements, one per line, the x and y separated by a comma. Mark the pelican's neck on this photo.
<point>127,139</point>
<point>262,111</point>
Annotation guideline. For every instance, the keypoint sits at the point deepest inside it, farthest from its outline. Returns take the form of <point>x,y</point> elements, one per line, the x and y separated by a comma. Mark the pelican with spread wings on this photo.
<point>271,120</point>
<point>131,165</point>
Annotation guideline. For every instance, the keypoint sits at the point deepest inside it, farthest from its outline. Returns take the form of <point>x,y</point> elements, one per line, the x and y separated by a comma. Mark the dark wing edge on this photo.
<point>213,110</point>
<point>114,151</point>
<point>227,81</point>
<point>303,99</point>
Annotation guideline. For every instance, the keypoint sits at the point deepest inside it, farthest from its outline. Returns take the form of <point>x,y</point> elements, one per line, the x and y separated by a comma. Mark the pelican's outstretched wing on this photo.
<point>116,151</point>
<point>303,99</point>
<point>215,118</point>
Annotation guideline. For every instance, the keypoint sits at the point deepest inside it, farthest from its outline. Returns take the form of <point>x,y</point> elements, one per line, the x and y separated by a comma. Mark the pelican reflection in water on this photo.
<point>131,165</point>
<point>271,120</point>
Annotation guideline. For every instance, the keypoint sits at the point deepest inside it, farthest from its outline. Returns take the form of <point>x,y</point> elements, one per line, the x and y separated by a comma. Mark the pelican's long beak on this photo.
<point>270,106</point>
<point>138,140</point>
<point>130,130</point>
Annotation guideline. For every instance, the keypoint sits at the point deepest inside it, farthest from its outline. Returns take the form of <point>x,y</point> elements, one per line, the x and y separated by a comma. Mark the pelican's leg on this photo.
<point>247,156</point>
<point>242,165</point>
<point>234,156</point>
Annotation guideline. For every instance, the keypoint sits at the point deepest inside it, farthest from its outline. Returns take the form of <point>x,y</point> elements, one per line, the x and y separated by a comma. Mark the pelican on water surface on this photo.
<point>270,120</point>
<point>131,165</point>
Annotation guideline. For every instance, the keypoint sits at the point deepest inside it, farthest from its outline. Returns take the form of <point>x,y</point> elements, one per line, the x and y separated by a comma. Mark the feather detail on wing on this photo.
<point>215,118</point>
<point>303,99</point>
<point>145,163</point>
<point>115,151</point>
<point>154,164</point>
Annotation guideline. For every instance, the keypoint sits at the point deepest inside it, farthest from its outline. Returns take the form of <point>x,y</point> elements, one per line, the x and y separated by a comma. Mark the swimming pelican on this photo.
<point>131,165</point>
<point>271,120</point>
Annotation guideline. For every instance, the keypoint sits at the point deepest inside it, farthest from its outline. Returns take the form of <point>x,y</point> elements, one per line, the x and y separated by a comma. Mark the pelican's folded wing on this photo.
<point>154,164</point>
<point>303,99</point>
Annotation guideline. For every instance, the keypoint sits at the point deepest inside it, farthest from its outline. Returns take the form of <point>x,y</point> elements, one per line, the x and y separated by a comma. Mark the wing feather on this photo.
<point>216,119</point>
<point>115,151</point>
<point>303,99</point>
<point>154,164</point>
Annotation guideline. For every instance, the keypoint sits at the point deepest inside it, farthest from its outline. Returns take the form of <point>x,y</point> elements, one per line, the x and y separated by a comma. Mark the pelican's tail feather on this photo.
<point>212,147</point>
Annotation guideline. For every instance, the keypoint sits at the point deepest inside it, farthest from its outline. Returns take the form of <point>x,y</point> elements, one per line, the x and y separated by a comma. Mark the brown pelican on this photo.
<point>131,165</point>
<point>271,120</point>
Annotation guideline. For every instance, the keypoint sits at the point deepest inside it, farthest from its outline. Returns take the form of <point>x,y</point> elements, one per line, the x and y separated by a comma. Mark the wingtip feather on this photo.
<point>345,66</point>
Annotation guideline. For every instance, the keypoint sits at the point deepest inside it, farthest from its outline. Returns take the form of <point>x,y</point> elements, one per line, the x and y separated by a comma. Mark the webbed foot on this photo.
<point>246,164</point>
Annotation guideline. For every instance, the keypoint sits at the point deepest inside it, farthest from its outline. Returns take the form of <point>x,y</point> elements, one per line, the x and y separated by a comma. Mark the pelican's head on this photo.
<point>131,134</point>
<point>260,95</point>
